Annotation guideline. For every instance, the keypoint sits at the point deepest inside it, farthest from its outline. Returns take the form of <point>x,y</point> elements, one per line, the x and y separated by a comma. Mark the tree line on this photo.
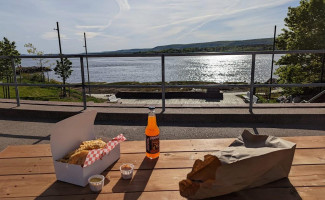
<point>8,48</point>
<point>257,47</point>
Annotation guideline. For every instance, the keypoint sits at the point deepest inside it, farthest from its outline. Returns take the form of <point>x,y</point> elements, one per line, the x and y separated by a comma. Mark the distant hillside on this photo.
<point>235,45</point>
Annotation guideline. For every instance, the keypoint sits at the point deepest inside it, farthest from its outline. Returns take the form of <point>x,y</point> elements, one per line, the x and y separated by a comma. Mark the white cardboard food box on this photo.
<point>66,136</point>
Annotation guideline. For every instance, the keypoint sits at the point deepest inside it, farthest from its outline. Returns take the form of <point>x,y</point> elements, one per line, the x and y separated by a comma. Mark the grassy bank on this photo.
<point>46,93</point>
<point>263,95</point>
<point>75,94</point>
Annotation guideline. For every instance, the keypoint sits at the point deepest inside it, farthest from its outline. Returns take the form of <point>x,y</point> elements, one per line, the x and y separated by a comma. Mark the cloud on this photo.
<point>53,35</point>
<point>123,6</point>
<point>123,24</point>
<point>159,18</point>
<point>89,27</point>
<point>89,34</point>
<point>202,20</point>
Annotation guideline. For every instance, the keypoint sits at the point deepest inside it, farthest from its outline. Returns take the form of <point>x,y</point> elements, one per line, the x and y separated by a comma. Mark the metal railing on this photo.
<point>163,86</point>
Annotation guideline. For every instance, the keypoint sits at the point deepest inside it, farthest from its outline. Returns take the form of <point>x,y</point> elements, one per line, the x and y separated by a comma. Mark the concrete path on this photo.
<point>31,123</point>
<point>230,98</point>
<point>14,132</point>
<point>178,113</point>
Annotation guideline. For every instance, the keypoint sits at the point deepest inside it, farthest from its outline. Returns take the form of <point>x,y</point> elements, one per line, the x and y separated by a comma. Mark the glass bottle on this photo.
<point>152,135</point>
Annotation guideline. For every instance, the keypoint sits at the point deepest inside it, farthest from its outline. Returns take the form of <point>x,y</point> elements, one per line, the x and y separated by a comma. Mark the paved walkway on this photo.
<point>33,120</point>
<point>230,98</point>
<point>289,108</point>
<point>13,132</point>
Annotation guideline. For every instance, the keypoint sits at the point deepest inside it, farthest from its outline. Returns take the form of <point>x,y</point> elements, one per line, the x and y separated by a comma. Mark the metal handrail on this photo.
<point>169,86</point>
<point>163,85</point>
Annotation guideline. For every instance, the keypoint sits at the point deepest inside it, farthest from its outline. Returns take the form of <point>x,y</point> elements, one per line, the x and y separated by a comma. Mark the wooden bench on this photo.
<point>27,172</point>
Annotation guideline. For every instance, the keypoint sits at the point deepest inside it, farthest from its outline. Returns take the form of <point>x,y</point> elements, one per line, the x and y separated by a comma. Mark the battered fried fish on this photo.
<point>79,155</point>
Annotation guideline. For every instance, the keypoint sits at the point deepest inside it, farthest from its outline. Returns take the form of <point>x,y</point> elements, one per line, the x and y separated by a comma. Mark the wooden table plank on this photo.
<point>166,160</point>
<point>166,146</point>
<point>311,193</point>
<point>126,147</point>
<point>306,193</point>
<point>307,141</point>
<point>26,151</point>
<point>143,180</point>
<point>309,156</point>
<point>159,195</point>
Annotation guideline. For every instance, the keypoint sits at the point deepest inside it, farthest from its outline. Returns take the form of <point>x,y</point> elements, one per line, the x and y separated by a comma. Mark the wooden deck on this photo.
<point>27,172</point>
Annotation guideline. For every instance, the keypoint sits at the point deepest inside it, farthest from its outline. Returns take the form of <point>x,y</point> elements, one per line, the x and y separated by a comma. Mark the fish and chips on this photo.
<point>79,155</point>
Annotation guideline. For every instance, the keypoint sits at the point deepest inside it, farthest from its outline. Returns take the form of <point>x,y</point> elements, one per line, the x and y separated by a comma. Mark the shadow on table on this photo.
<point>63,190</point>
<point>133,188</point>
<point>279,190</point>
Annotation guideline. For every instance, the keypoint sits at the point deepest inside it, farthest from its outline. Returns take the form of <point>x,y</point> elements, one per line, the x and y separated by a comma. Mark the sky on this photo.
<point>126,24</point>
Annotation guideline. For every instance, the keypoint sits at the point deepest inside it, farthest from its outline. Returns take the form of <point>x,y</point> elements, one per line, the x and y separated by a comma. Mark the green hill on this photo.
<point>264,41</point>
<point>217,46</point>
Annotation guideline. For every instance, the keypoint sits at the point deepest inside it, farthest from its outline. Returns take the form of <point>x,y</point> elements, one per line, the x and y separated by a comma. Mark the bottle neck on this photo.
<point>151,113</point>
<point>152,118</point>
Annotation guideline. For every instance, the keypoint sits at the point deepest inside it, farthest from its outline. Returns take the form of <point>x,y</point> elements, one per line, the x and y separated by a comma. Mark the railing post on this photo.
<point>322,71</point>
<point>252,84</point>
<point>163,82</point>
<point>272,62</point>
<point>15,79</point>
<point>83,83</point>
<point>270,89</point>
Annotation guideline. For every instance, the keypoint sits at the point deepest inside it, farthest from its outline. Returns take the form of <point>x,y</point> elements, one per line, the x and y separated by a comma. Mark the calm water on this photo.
<point>199,68</point>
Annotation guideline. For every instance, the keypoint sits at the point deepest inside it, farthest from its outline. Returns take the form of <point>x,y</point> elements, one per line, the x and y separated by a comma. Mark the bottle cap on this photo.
<point>152,107</point>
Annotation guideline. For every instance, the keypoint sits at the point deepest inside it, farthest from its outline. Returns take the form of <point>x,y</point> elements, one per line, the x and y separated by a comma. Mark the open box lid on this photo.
<point>68,134</point>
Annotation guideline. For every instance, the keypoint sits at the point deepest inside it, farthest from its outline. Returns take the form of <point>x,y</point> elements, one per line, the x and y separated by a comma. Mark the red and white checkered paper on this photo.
<point>96,154</point>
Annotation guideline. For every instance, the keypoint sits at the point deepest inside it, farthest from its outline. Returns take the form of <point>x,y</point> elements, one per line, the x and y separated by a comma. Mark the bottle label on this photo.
<point>152,144</point>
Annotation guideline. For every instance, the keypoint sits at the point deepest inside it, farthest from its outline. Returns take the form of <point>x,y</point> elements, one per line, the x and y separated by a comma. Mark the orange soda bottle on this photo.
<point>152,135</point>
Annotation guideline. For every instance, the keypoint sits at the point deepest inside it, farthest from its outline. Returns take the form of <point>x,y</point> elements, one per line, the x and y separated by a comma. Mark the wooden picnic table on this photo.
<point>27,172</point>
